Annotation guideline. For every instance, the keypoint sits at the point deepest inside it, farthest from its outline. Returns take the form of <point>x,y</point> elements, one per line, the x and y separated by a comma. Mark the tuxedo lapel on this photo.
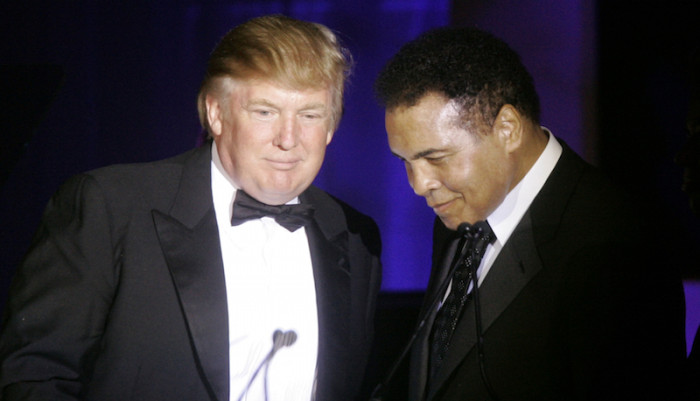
<point>328,245</point>
<point>421,349</point>
<point>515,266</point>
<point>189,239</point>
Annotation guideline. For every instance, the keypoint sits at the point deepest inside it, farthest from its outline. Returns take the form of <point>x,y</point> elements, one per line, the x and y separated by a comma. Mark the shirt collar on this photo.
<point>223,188</point>
<point>508,214</point>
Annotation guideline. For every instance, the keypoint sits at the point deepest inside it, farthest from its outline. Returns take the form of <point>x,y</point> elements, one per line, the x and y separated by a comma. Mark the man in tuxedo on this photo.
<point>574,300</point>
<point>148,282</point>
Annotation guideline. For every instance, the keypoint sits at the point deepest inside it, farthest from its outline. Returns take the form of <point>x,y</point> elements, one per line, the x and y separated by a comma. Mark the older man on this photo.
<point>546,285</point>
<point>148,282</point>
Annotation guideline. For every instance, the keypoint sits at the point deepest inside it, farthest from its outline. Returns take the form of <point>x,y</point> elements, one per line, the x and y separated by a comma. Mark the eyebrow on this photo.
<point>420,154</point>
<point>314,106</point>
<point>260,102</point>
<point>265,102</point>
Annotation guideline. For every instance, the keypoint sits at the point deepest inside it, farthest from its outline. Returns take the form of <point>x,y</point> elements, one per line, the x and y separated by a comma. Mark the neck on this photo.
<point>534,142</point>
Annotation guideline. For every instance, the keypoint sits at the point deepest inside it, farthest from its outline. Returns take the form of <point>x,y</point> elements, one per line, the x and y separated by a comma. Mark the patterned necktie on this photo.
<point>290,217</point>
<point>476,238</point>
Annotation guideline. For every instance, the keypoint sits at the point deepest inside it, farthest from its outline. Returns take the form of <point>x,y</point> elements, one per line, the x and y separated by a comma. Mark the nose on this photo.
<point>287,135</point>
<point>421,179</point>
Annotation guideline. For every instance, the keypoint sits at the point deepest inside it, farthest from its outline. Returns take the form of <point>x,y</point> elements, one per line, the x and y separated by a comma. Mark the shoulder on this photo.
<point>580,196</point>
<point>329,205</point>
<point>584,224</point>
<point>339,215</point>
<point>150,173</point>
<point>123,186</point>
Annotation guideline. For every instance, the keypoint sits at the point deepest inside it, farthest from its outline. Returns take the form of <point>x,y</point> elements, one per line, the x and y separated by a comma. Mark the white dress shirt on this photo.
<point>269,286</point>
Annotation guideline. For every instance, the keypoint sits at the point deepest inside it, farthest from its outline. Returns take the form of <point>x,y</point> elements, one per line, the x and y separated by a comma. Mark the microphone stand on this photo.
<point>279,340</point>
<point>463,246</point>
<point>480,334</point>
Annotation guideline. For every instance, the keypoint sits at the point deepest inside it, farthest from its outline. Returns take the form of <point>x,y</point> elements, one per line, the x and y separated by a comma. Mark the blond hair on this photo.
<point>297,54</point>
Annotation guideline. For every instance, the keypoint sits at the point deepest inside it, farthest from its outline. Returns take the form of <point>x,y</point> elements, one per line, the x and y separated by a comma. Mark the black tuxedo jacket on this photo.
<point>576,307</point>
<point>122,295</point>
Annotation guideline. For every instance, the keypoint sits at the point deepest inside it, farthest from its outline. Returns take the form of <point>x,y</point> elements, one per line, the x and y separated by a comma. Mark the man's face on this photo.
<point>462,175</point>
<point>271,139</point>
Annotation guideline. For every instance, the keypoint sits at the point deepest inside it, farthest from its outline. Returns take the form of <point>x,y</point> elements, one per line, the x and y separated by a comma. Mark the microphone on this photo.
<point>280,340</point>
<point>283,339</point>
<point>463,246</point>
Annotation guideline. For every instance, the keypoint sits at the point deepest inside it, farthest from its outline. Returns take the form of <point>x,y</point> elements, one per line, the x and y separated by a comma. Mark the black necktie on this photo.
<point>290,217</point>
<point>476,238</point>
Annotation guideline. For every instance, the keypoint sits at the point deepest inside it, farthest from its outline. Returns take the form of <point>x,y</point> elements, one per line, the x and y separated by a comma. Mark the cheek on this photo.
<point>458,177</point>
<point>476,178</point>
<point>315,143</point>
<point>497,186</point>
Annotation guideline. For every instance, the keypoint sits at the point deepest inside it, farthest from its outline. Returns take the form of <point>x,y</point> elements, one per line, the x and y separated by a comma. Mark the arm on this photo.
<point>59,298</point>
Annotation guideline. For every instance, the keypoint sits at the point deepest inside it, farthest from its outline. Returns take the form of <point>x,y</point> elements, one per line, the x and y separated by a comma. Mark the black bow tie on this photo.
<point>290,217</point>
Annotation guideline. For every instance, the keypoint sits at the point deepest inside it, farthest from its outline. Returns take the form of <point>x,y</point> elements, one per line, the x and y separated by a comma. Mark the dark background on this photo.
<point>85,84</point>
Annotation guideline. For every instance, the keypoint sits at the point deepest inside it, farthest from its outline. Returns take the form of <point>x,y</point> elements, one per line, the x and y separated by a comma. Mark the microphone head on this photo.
<point>283,338</point>
<point>463,228</point>
<point>289,338</point>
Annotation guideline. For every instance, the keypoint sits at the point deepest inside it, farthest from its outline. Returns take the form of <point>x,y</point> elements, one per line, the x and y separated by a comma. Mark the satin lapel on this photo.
<point>189,239</point>
<point>328,245</point>
<point>515,266</point>
<point>421,349</point>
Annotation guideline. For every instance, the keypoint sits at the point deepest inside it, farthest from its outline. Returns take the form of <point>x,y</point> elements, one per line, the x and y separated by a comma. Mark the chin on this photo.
<point>451,223</point>
<point>283,196</point>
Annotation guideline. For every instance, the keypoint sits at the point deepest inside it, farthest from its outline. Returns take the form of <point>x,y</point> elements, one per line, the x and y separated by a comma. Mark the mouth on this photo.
<point>283,164</point>
<point>440,208</point>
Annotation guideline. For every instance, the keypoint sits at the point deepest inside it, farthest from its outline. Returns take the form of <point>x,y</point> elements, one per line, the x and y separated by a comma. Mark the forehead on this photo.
<point>434,122</point>
<point>275,93</point>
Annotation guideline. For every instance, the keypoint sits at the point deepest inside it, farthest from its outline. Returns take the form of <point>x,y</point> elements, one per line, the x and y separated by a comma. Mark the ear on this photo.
<point>329,136</point>
<point>508,126</point>
<point>214,115</point>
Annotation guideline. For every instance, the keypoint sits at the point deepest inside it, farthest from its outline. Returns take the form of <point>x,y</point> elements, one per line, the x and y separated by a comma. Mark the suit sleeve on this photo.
<point>375,282</point>
<point>366,291</point>
<point>369,247</point>
<point>59,298</point>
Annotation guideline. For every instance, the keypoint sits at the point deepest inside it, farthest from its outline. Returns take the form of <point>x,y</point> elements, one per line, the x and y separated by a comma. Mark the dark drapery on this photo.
<point>126,77</point>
